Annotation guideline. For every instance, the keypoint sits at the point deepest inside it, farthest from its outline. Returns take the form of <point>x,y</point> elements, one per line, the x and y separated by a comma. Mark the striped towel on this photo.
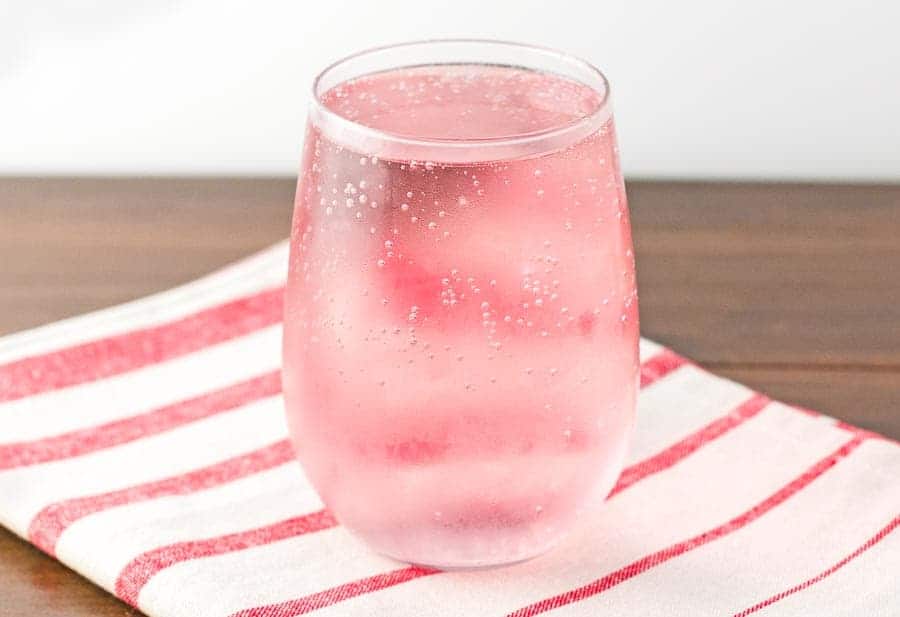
<point>144,446</point>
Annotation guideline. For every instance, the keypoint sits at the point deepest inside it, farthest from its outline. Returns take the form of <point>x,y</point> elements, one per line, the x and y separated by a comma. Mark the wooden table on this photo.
<point>792,289</point>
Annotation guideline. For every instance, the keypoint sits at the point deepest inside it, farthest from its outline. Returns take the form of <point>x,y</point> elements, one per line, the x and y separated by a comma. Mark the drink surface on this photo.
<point>460,352</point>
<point>462,102</point>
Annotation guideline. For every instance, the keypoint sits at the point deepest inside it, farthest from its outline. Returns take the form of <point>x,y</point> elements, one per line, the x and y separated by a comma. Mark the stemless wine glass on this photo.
<point>461,327</point>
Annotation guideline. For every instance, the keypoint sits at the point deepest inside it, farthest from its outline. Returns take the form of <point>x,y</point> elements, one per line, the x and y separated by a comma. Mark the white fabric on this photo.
<point>716,466</point>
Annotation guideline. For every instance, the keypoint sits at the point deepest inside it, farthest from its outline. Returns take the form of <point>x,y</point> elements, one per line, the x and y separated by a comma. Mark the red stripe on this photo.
<point>85,441</point>
<point>136,574</point>
<point>334,595</point>
<point>878,537</point>
<point>863,432</point>
<point>650,561</point>
<point>630,476</point>
<point>138,348</point>
<point>690,444</point>
<point>845,426</point>
<point>660,365</point>
<point>48,525</point>
<point>848,427</point>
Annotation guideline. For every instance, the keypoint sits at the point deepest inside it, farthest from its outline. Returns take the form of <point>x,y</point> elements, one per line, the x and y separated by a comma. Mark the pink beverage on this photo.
<point>461,326</point>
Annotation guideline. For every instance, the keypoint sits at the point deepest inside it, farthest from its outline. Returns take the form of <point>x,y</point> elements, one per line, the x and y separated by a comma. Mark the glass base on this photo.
<point>477,564</point>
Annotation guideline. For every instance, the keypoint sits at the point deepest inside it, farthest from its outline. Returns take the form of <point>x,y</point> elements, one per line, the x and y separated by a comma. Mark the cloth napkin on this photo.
<point>145,447</point>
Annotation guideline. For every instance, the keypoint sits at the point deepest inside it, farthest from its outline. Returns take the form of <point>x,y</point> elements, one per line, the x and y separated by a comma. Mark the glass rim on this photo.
<point>326,118</point>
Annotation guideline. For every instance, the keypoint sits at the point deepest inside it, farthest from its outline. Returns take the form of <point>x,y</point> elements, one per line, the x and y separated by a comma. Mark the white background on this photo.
<point>789,89</point>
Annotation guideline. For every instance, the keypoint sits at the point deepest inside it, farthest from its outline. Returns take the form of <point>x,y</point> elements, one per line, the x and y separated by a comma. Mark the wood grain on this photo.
<point>32,583</point>
<point>771,273</point>
<point>792,289</point>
